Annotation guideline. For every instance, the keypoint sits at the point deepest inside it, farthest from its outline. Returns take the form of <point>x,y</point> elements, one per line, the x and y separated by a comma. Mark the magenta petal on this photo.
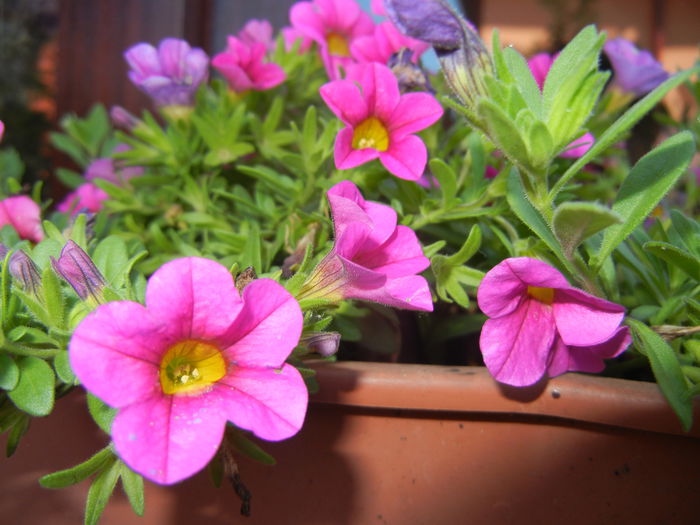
<point>379,88</point>
<point>505,284</point>
<point>269,403</point>
<point>304,18</point>
<point>116,352</point>
<point>516,346</point>
<point>405,158</point>
<point>345,100</point>
<point>268,76</point>
<point>267,328</point>
<point>540,64</point>
<point>345,156</point>
<point>24,215</point>
<point>399,256</point>
<point>587,358</point>
<point>194,297</point>
<point>583,319</point>
<point>169,438</point>
<point>414,112</point>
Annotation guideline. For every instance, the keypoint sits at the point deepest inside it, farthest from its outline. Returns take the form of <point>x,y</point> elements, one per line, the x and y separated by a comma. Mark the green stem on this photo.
<point>43,353</point>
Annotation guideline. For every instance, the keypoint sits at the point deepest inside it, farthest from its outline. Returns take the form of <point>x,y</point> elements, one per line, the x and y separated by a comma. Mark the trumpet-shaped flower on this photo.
<point>333,25</point>
<point>171,74</point>
<point>539,324</point>
<point>634,71</point>
<point>380,122</point>
<point>24,215</point>
<point>372,259</point>
<point>243,67</point>
<point>197,355</point>
<point>385,41</point>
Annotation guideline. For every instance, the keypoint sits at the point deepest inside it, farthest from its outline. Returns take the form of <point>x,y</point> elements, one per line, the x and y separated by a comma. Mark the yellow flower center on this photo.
<point>543,295</point>
<point>337,45</point>
<point>191,366</point>
<point>370,133</point>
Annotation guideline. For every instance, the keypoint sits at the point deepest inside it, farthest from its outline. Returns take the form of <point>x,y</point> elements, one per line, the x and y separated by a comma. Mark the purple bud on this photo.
<point>77,268</point>
<point>123,119</point>
<point>324,343</point>
<point>635,71</point>
<point>432,21</point>
<point>25,272</point>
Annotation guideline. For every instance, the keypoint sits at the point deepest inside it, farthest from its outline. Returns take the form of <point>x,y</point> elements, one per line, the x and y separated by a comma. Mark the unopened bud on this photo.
<point>324,343</point>
<point>77,268</point>
<point>25,272</point>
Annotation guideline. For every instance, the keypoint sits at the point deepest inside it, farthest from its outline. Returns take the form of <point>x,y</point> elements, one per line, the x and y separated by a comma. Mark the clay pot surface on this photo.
<point>412,444</point>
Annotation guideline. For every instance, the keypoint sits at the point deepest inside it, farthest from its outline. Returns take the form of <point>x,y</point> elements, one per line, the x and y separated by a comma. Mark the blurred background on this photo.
<point>62,56</point>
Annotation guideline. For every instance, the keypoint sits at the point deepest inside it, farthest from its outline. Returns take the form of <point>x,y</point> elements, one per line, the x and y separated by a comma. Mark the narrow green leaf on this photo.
<point>676,256</point>
<point>517,65</point>
<point>447,179</point>
<point>53,298</point>
<point>101,413</point>
<point>18,430</point>
<point>132,483</point>
<point>644,187</point>
<point>78,473</point>
<point>540,145</point>
<point>100,492</point>
<point>502,130</point>
<point>574,222</point>
<point>245,446</point>
<point>61,363</point>
<point>34,392</point>
<point>469,248</point>
<point>666,368</point>
<point>9,372</point>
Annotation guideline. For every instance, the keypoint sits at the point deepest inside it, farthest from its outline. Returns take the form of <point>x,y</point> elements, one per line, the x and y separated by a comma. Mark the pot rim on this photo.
<point>470,389</point>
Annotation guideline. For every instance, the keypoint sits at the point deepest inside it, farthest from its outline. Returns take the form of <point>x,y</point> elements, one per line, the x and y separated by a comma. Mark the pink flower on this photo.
<point>372,259</point>
<point>380,122</point>
<point>377,7</point>
<point>257,31</point>
<point>291,35</point>
<point>333,25</point>
<point>86,198</point>
<point>383,43</point>
<point>196,356</point>
<point>540,324</point>
<point>540,64</point>
<point>24,215</point>
<point>243,67</point>
<point>110,170</point>
<point>2,129</point>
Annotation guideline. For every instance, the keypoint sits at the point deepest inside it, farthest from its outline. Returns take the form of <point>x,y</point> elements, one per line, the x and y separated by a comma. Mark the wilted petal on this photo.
<point>432,21</point>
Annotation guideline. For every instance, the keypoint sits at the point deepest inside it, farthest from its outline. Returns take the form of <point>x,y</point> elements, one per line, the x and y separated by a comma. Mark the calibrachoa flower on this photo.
<point>372,259</point>
<point>333,25</point>
<point>380,122</point>
<point>383,43</point>
<point>243,67</point>
<point>194,357</point>
<point>539,324</point>
<point>257,31</point>
<point>634,71</point>
<point>110,170</point>
<point>24,215</point>
<point>86,198</point>
<point>171,74</point>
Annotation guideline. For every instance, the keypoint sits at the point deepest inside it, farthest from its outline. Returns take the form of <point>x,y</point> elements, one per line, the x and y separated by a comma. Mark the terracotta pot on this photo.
<point>411,444</point>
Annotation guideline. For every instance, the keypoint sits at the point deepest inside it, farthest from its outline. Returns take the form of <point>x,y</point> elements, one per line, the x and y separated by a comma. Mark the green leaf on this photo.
<point>647,183</point>
<point>132,483</point>
<point>111,258</point>
<point>78,473</point>
<point>245,446</point>
<point>469,248</point>
<point>53,298</point>
<point>666,368</point>
<point>18,430</point>
<point>676,256</point>
<point>447,179</point>
<point>539,145</point>
<point>502,131</point>
<point>69,177</point>
<point>252,255</point>
<point>526,83</point>
<point>61,363</point>
<point>100,492</point>
<point>9,372</point>
<point>574,222</point>
<point>101,413</point>
<point>34,392</point>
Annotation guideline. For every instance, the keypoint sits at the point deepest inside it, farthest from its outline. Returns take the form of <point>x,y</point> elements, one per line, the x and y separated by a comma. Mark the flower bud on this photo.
<point>324,343</point>
<point>77,268</point>
<point>123,118</point>
<point>25,272</point>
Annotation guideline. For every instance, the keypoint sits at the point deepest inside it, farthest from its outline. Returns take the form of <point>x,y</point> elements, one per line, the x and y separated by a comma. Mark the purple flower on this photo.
<point>77,268</point>
<point>197,355</point>
<point>372,259</point>
<point>24,215</point>
<point>540,324</point>
<point>380,122</point>
<point>634,71</point>
<point>243,67</point>
<point>106,168</point>
<point>171,74</point>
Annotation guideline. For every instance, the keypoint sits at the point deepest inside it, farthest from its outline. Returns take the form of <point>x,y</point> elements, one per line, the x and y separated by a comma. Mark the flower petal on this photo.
<point>143,60</point>
<point>583,319</point>
<point>345,100</point>
<point>503,287</point>
<point>345,156</point>
<point>399,256</point>
<point>414,112</point>
<point>169,438</point>
<point>267,328</point>
<point>587,358</point>
<point>379,88</point>
<point>405,158</point>
<point>270,403</point>
<point>116,352</point>
<point>194,297</point>
<point>24,215</point>
<point>516,346</point>
<point>172,52</point>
